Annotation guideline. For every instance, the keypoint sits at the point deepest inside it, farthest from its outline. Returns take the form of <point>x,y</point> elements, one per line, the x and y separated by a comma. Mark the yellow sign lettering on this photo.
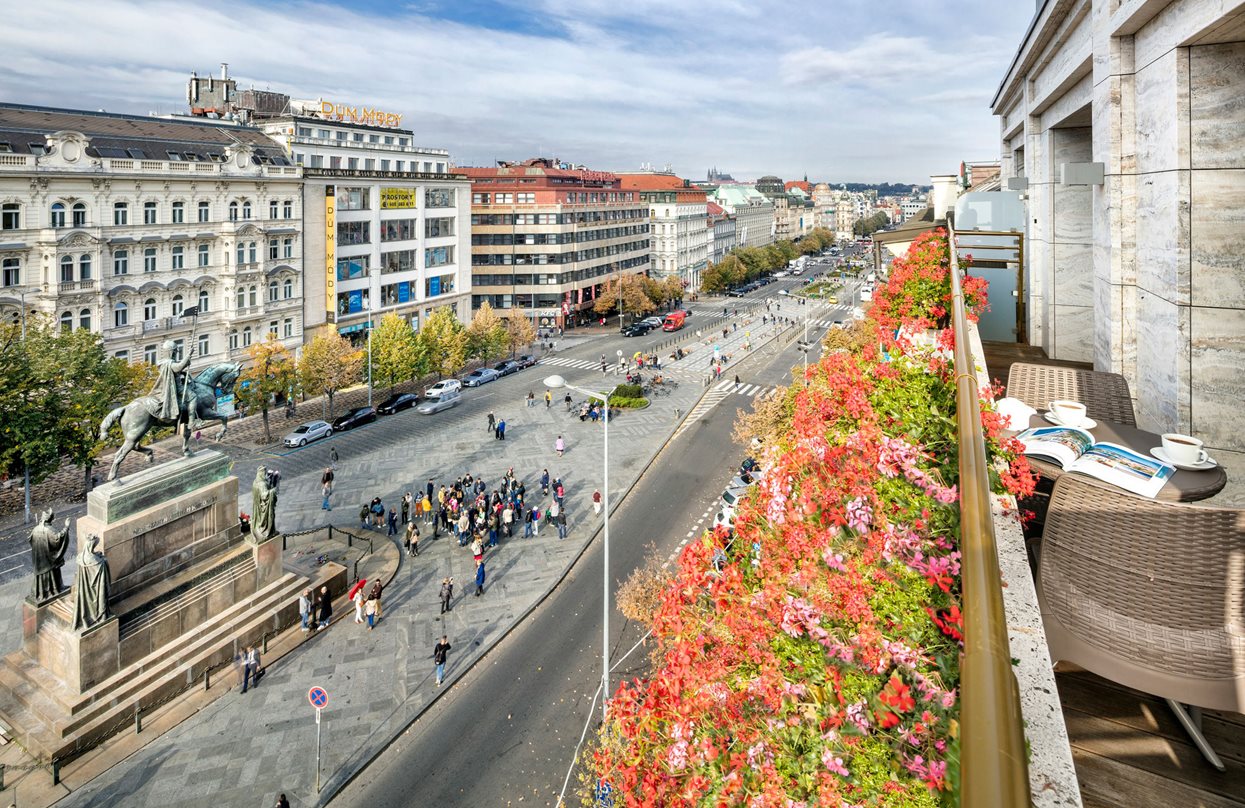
<point>330,252</point>
<point>370,116</point>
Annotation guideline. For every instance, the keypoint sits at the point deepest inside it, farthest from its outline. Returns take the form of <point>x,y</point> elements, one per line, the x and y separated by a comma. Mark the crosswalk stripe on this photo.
<point>723,385</point>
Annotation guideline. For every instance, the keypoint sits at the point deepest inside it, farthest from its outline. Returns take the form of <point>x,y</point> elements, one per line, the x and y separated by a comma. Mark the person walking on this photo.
<point>548,399</point>
<point>359,600</point>
<point>370,610</point>
<point>507,520</point>
<point>282,802</point>
<point>492,421</point>
<point>393,522</point>
<point>374,595</point>
<point>596,501</point>
<point>333,458</point>
<point>440,652</point>
<point>325,490</point>
<point>250,668</point>
<point>544,482</point>
<point>365,513</point>
<point>531,399</point>
<point>527,524</point>
<point>559,446</point>
<point>561,522</point>
<point>407,502</point>
<point>326,607</point>
<point>501,429</point>
<point>304,609</point>
<point>447,594</point>
<point>480,577</point>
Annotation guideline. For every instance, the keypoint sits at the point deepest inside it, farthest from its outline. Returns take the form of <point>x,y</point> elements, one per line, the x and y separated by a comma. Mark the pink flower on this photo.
<point>834,763</point>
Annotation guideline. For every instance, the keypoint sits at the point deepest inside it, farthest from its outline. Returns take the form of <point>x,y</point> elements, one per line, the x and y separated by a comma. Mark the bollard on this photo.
<point>138,719</point>
<point>207,678</point>
<point>56,772</point>
<point>265,651</point>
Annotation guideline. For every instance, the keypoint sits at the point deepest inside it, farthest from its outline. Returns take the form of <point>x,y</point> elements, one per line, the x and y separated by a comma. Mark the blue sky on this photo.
<point>843,90</point>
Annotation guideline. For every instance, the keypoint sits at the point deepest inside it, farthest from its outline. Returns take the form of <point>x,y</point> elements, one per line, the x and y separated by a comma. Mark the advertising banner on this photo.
<point>397,198</point>
<point>404,292</point>
<point>330,252</point>
<point>434,286</point>
<point>356,301</point>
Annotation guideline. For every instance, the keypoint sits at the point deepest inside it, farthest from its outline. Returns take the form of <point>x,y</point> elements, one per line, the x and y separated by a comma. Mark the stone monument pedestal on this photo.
<point>189,593</point>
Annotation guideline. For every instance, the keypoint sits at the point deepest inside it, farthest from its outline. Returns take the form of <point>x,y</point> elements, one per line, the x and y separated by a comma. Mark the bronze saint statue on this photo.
<point>263,506</point>
<point>47,553</point>
<point>92,586</point>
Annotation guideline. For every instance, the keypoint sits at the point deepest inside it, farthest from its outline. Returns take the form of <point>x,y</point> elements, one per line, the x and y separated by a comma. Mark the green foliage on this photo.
<point>865,227</point>
<point>443,340</point>
<point>519,332</point>
<point>271,372</point>
<point>636,403</point>
<point>329,363</point>
<point>628,391</point>
<point>719,277</point>
<point>487,337</point>
<point>395,351</point>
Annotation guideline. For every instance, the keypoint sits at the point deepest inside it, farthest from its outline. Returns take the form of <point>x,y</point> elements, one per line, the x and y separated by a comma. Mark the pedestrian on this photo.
<point>333,458</point>
<point>325,606</point>
<point>447,594</point>
<point>374,595</point>
<point>583,413</point>
<point>407,501</point>
<point>527,524</point>
<point>544,482</point>
<point>371,614</point>
<point>494,528</point>
<point>477,549</point>
<point>427,508</point>
<point>440,652</point>
<point>596,501</point>
<point>501,429</point>
<point>548,399</point>
<point>480,577</point>
<point>567,398</point>
<point>492,421</point>
<point>464,526</point>
<point>393,522</point>
<point>250,668</point>
<point>507,520</point>
<point>559,493</point>
<point>559,445</point>
<point>282,802</point>
<point>304,609</point>
<point>561,522</point>
<point>364,514</point>
<point>359,600</point>
<point>378,512</point>
<point>325,490</point>
<point>531,399</point>
<point>736,379</point>
<point>535,514</point>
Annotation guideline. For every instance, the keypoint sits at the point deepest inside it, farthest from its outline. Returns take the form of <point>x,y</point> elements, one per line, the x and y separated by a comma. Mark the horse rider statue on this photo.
<point>175,400</point>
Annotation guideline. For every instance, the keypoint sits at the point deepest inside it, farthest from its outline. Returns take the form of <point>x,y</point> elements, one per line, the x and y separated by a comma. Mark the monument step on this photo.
<point>189,586</point>
<point>48,713</point>
<point>134,606</point>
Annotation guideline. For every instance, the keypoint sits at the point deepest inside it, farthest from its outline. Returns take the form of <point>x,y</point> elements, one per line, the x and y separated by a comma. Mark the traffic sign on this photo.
<point>318,697</point>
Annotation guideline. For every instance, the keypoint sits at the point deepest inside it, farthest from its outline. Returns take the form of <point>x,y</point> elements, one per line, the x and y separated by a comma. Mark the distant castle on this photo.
<point>714,176</point>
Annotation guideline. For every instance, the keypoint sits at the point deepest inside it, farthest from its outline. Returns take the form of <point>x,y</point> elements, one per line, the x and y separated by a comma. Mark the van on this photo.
<point>674,321</point>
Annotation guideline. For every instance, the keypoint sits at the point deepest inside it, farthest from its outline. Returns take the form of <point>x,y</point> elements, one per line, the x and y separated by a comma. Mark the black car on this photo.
<point>397,403</point>
<point>356,417</point>
<point>506,368</point>
<point>525,361</point>
<point>636,330</point>
<point>734,293</point>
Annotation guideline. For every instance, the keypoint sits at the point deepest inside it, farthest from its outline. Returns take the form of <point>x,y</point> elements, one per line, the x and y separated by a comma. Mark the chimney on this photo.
<point>944,194</point>
<point>224,71</point>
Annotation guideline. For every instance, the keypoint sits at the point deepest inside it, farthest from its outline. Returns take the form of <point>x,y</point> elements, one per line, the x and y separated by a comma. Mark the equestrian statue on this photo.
<point>176,400</point>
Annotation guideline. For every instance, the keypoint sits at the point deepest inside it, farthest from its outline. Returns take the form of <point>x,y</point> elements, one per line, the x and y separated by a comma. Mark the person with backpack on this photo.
<point>529,523</point>
<point>440,652</point>
<point>447,594</point>
<point>536,517</point>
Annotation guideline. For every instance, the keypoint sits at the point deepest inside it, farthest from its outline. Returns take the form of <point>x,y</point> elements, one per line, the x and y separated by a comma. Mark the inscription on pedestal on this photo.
<point>144,489</point>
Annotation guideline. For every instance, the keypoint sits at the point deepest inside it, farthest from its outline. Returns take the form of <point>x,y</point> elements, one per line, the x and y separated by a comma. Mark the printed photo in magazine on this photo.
<point>1074,450</point>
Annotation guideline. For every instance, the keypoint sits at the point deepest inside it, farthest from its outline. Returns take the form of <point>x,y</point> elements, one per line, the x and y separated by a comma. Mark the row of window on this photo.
<point>60,215</point>
<point>356,137</point>
<point>237,340</point>
<point>366,163</point>
<point>569,217</point>
<point>357,300</point>
<point>506,259</point>
<point>572,197</point>
<point>581,236</point>
<point>245,296</point>
<point>562,276</point>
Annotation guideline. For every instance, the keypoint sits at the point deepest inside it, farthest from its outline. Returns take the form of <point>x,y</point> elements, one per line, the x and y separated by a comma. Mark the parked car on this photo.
<point>397,403</point>
<point>481,376</point>
<point>652,322</point>
<point>525,361</point>
<point>636,330</point>
<point>725,519</point>
<point>833,301</point>
<point>355,417</point>
<point>443,386</point>
<point>305,433</point>
<point>447,399</point>
<point>731,497</point>
<point>734,293</point>
<point>506,368</point>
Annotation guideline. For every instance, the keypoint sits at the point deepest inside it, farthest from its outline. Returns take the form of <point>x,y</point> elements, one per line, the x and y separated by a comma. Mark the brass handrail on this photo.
<point>994,770</point>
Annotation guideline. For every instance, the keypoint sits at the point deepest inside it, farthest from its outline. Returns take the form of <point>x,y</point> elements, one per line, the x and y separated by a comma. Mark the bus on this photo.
<point>674,321</point>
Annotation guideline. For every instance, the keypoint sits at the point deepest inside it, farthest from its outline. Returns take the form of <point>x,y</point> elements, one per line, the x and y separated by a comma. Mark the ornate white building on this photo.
<point>119,224</point>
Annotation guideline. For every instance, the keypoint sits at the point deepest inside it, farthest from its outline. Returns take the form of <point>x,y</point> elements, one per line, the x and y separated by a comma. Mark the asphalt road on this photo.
<point>507,732</point>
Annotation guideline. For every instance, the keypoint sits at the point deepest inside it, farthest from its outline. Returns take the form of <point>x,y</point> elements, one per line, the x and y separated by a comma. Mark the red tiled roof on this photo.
<point>801,184</point>
<point>714,209</point>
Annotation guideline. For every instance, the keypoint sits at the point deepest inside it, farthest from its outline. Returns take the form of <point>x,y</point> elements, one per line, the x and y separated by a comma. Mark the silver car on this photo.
<point>448,399</point>
<point>304,434</point>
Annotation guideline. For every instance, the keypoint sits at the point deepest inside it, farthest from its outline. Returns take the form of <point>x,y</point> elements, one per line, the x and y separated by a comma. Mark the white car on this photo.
<point>443,386</point>
<point>306,433</point>
<point>725,519</point>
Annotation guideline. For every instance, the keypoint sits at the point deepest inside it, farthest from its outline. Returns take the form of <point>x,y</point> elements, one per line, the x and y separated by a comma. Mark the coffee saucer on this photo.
<point>1205,465</point>
<point>1088,423</point>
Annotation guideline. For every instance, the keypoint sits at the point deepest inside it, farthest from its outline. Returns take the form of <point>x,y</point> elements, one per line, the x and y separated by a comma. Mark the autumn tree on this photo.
<point>443,340</point>
<point>329,363</point>
<point>725,274</point>
<point>271,372</point>
<point>395,351</point>
<point>519,332</point>
<point>487,337</point>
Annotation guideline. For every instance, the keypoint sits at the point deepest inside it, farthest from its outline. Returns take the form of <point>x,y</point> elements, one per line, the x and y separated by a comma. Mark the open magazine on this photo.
<point>1075,450</point>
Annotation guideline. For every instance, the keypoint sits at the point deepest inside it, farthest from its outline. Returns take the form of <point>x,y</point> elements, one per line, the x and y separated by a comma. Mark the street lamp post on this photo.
<point>26,470</point>
<point>554,382</point>
<point>369,354</point>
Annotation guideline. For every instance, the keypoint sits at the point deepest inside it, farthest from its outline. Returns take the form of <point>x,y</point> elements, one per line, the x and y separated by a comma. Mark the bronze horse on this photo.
<point>136,419</point>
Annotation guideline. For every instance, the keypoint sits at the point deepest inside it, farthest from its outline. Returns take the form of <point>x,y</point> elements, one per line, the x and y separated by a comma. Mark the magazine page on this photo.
<point>1121,466</point>
<point>1062,444</point>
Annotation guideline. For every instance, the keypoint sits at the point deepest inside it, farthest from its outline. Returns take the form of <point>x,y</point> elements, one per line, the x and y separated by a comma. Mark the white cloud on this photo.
<point>751,87</point>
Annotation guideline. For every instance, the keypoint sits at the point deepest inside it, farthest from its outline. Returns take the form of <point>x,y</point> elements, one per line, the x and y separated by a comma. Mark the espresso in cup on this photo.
<point>1184,449</point>
<point>1071,413</point>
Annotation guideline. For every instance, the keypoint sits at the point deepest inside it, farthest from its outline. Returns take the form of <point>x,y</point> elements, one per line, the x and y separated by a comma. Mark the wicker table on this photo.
<point>1183,486</point>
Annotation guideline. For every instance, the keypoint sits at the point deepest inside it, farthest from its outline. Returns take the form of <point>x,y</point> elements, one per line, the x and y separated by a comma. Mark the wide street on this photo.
<point>508,731</point>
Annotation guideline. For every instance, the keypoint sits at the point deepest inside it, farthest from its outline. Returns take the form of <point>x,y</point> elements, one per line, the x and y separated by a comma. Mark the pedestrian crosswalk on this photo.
<point>566,361</point>
<point>749,390</point>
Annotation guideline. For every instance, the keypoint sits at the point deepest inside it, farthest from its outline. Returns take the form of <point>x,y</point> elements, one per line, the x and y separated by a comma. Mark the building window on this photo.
<point>205,345</point>
<point>400,165</point>
<point>179,305</point>
<point>479,199</point>
<point>317,161</point>
<point>287,209</point>
<point>149,213</point>
<point>124,356</point>
<point>205,212</point>
<point>241,253</point>
<point>357,137</point>
<point>438,256</point>
<point>397,230</point>
<point>349,233</point>
<point>12,272</point>
<point>287,248</point>
<point>84,267</point>
<point>179,212</point>
<point>58,215</point>
<point>10,216</point>
<point>502,199</point>
<point>251,295</point>
<point>287,289</point>
<point>525,198</point>
<point>149,309</point>
<point>397,261</point>
<point>340,135</point>
<point>149,354</point>
<point>121,262</point>
<point>233,340</point>
<point>233,211</point>
<point>384,165</point>
<point>335,162</point>
<point>120,315</point>
<point>439,198</point>
<point>67,269</point>
<point>252,253</point>
<point>273,249</point>
<point>179,257</point>
<point>246,336</point>
<point>353,198</point>
<point>241,298</point>
<point>272,291</point>
<point>203,301</point>
<point>246,210</point>
<point>441,285</point>
<point>304,131</point>
<point>84,319</point>
<point>120,213</point>
<point>272,328</point>
<point>79,214</point>
<point>369,164</point>
<point>273,207</point>
<point>288,327</point>
<point>149,259</point>
<point>352,163</point>
<point>436,228</point>
<point>205,255</point>
<point>66,321</point>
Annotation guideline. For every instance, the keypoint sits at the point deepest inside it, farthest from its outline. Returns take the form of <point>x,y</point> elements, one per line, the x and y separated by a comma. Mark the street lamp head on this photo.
<point>554,382</point>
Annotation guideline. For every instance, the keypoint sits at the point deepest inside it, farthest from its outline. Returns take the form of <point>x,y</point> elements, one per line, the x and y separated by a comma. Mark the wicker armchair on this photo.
<point>1105,395</point>
<point>1148,594</point>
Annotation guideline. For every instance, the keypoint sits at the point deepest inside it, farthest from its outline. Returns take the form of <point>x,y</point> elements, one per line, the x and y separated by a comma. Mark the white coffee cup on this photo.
<point>1068,413</point>
<point>1184,449</point>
